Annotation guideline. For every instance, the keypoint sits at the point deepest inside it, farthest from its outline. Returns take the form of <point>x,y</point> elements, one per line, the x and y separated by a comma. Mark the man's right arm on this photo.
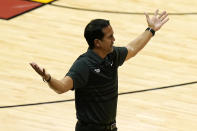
<point>59,86</point>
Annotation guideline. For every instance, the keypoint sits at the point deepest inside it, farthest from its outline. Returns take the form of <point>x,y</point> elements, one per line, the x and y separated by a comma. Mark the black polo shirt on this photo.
<point>96,85</point>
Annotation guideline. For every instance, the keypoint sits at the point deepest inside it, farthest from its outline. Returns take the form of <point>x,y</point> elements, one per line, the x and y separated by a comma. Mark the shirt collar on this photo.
<point>94,56</point>
<point>97,58</point>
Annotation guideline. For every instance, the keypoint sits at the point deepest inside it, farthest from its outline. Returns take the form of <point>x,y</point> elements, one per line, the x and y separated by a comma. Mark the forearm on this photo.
<point>137,44</point>
<point>57,85</point>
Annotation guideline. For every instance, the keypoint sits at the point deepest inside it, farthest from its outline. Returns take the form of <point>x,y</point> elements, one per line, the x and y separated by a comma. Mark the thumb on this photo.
<point>147,16</point>
<point>44,72</point>
<point>46,76</point>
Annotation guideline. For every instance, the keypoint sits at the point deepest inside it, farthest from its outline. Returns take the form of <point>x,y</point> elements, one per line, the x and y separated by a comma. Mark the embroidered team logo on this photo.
<point>111,64</point>
<point>97,70</point>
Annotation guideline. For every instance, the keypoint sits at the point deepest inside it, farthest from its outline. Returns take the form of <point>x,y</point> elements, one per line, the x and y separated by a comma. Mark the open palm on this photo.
<point>157,21</point>
<point>41,71</point>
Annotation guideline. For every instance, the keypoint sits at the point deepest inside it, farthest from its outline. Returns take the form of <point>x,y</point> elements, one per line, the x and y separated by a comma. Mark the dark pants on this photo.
<point>91,127</point>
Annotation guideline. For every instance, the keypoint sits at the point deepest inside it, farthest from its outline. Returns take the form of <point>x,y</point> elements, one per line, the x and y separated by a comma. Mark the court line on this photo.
<point>123,93</point>
<point>159,88</point>
<point>117,12</point>
<point>40,103</point>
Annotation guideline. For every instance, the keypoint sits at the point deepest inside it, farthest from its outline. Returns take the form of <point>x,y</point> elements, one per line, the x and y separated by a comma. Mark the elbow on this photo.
<point>130,56</point>
<point>59,92</point>
<point>134,54</point>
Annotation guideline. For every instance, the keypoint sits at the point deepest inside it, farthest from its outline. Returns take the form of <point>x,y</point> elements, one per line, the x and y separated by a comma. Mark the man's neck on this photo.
<point>100,53</point>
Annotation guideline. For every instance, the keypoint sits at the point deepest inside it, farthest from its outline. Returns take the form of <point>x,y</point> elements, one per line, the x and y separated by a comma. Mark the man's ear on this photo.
<point>96,43</point>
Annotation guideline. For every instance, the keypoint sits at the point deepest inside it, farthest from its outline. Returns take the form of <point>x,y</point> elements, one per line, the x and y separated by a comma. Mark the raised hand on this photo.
<point>40,71</point>
<point>157,21</point>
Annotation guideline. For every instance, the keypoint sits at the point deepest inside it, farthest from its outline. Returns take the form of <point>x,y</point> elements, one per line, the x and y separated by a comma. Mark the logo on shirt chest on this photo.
<point>111,64</point>
<point>97,70</point>
<point>106,67</point>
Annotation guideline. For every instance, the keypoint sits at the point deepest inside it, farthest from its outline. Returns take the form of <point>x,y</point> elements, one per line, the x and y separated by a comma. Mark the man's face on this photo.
<point>106,44</point>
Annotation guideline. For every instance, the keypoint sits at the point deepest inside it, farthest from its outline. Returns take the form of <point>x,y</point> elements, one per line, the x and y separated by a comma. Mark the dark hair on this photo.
<point>94,31</point>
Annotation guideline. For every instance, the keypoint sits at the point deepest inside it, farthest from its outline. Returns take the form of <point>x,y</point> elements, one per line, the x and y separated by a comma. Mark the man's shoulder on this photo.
<point>117,48</point>
<point>81,61</point>
<point>82,58</point>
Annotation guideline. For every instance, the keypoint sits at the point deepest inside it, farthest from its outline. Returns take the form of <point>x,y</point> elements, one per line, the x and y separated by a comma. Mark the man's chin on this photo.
<point>111,50</point>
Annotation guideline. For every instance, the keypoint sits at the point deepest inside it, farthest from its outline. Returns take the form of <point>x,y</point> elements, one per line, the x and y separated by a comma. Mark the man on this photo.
<point>93,75</point>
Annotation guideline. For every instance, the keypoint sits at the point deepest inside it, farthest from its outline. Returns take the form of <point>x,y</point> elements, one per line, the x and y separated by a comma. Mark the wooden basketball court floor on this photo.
<point>157,87</point>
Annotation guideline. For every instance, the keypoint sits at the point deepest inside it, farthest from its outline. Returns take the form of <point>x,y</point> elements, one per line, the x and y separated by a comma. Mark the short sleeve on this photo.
<point>121,54</point>
<point>79,73</point>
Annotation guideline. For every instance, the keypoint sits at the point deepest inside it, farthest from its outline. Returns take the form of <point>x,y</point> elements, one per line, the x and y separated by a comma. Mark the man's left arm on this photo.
<point>154,24</point>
